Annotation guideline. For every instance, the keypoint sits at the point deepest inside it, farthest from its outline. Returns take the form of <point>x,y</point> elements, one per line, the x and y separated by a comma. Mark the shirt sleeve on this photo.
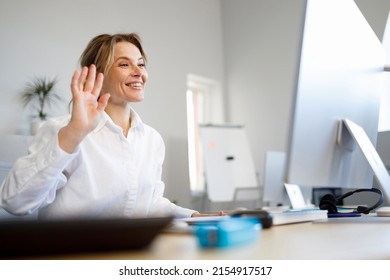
<point>162,206</point>
<point>34,179</point>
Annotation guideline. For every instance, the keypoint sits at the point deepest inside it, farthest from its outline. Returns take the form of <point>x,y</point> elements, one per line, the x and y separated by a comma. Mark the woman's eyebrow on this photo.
<point>127,58</point>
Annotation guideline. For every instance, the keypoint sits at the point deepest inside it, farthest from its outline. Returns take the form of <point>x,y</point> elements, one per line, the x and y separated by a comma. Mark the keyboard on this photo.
<point>21,239</point>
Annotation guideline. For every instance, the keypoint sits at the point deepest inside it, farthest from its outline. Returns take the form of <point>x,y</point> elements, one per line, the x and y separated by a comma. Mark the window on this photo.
<point>204,106</point>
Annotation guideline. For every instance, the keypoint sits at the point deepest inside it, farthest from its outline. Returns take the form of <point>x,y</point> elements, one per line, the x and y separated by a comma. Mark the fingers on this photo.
<point>197,214</point>
<point>87,81</point>
<point>97,86</point>
<point>103,100</point>
<point>75,81</point>
<point>89,76</point>
<point>221,213</point>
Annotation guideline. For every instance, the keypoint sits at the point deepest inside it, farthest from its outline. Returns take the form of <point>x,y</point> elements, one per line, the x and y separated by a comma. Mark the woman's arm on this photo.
<point>34,179</point>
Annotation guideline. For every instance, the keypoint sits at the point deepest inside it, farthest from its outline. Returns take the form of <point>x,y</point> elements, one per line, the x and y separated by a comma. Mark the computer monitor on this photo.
<point>274,193</point>
<point>340,79</point>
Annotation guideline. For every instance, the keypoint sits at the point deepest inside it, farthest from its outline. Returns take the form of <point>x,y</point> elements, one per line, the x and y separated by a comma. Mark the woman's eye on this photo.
<point>123,65</point>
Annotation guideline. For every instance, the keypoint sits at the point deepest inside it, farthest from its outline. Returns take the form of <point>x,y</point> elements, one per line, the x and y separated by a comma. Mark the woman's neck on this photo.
<point>120,116</point>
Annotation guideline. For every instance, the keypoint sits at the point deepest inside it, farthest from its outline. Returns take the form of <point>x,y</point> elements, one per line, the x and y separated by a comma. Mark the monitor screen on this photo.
<point>340,76</point>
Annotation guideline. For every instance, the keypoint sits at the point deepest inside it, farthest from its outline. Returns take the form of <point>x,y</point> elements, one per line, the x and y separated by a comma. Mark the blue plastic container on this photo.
<point>226,233</point>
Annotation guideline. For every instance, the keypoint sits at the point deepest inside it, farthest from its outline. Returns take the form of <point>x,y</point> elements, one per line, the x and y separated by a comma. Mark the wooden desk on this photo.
<point>305,241</point>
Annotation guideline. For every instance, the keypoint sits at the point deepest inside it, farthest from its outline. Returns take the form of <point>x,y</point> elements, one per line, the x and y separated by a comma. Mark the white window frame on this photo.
<point>209,110</point>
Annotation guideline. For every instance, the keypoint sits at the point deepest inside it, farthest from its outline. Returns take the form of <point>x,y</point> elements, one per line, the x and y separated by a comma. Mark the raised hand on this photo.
<point>87,107</point>
<point>86,88</point>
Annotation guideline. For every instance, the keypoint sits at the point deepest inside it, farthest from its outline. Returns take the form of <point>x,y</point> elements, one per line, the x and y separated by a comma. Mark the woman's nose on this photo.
<point>136,71</point>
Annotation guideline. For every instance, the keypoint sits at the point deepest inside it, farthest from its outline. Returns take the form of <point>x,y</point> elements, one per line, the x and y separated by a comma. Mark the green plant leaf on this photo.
<point>42,91</point>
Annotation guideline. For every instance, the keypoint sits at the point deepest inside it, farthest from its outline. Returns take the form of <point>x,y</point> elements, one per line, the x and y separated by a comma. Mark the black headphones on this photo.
<point>329,201</point>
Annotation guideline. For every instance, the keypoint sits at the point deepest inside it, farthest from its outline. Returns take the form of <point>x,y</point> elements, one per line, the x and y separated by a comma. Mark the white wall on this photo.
<point>259,46</point>
<point>376,12</point>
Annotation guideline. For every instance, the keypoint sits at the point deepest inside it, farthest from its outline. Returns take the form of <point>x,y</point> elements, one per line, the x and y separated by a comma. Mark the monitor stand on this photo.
<point>348,135</point>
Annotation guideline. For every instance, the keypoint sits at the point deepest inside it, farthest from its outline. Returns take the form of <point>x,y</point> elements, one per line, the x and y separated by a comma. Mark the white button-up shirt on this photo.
<point>109,175</point>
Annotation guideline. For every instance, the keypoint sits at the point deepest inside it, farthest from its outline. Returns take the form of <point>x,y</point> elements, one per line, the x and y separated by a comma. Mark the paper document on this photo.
<point>298,216</point>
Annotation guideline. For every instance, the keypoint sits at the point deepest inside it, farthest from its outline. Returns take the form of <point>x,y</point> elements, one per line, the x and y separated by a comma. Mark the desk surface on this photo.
<point>304,241</point>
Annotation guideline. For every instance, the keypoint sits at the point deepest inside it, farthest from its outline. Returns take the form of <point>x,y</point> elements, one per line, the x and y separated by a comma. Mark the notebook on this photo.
<point>269,218</point>
<point>20,239</point>
<point>263,216</point>
<point>298,216</point>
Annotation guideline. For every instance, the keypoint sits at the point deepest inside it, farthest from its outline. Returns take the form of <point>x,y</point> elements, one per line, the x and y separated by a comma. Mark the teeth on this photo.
<point>135,84</point>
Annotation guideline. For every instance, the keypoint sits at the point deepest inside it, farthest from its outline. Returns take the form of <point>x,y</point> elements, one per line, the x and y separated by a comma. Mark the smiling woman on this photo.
<point>102,160</point>
<point>126,77</point>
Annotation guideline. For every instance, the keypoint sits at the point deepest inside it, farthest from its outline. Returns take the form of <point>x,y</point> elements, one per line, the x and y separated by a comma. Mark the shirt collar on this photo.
<point>136,121</point>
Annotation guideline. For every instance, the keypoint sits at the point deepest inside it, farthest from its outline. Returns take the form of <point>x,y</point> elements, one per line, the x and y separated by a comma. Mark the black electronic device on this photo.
<point>329,202</point>
<point>24,239</point>
<point>263,216</point>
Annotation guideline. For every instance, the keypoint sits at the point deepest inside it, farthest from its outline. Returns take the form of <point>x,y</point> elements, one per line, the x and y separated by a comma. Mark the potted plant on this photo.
<point>42,91</point>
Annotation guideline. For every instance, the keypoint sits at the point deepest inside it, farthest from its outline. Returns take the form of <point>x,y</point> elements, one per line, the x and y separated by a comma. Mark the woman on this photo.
<point>102,160</point>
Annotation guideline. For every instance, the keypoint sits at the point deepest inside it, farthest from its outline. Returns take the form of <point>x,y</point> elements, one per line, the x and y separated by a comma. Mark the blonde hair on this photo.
<point>100,50</point>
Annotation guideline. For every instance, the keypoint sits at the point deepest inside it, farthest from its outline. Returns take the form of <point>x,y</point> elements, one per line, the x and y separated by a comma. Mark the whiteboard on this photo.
<point>228,162</point>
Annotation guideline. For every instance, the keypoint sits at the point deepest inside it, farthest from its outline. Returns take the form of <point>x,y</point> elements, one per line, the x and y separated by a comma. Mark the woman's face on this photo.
<point>127,77</point>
